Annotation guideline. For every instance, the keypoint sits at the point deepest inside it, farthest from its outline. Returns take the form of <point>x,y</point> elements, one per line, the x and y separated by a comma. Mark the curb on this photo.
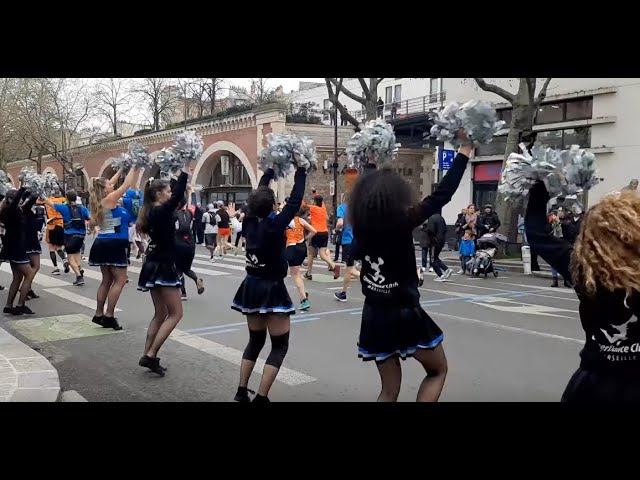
<point>25,375</point>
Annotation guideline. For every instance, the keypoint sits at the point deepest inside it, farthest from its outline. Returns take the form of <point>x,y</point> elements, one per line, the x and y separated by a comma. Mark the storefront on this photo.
<point>486,176</point>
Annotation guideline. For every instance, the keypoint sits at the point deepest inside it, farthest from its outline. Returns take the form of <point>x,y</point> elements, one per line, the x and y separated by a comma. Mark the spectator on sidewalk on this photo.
<point>488,222</point>
<point>467,251</point>
<point>633,185</point>
<point>460,223</point>
<point>380,108</point>
<point>437,232</point>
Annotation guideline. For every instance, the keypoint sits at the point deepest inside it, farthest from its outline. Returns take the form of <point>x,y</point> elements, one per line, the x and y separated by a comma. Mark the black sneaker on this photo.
<point>81,272</point>
<point>110,322</point>
<point>98,320</point>
<point>242,395</point>
<point>32,295</point>
<point>260,399</point>
<point>11,311</point>
<point>79,281</point>
<point>341,296</point>
<point>23,310</point>
<point>308,276</point>
<point>66,266</point>
<point>567,284</point>
<point>152,364</point>
<point>1,287</point>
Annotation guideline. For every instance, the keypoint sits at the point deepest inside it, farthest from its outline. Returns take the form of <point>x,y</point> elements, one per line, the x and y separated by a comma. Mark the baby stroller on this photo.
<point>482,261</point>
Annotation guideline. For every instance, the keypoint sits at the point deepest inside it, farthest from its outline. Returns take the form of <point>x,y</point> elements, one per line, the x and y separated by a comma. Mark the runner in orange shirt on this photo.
<point>318,214</point>
<point>55,234</point>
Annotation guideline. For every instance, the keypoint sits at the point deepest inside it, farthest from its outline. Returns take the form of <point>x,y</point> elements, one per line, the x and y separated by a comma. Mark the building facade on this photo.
<point>601,114</point>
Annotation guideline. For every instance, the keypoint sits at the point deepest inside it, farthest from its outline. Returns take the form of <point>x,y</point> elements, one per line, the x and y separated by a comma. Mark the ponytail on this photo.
<point>151,188</point>
<point>96,195</point>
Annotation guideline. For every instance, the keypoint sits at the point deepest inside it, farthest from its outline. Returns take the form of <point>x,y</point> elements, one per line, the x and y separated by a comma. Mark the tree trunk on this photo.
<point>39,163</point>
<point>156,120</point>
<point>371,100</point>
<point>115,122</point>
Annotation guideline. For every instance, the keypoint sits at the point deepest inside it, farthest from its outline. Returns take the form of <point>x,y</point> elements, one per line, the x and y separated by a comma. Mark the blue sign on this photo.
<point>445,158</point>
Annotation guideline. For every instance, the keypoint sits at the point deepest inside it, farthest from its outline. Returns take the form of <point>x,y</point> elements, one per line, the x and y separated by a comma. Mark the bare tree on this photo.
<point>160,96</point>
<point>214,85</point>
<point>368,99</point>
<point>261,93</point>
<point>114,99</point>
<point>525,104</point>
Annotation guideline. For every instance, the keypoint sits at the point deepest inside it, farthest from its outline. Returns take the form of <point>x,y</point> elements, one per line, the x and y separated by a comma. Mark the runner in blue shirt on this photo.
<point>74,217</point>
<point>347,257</point>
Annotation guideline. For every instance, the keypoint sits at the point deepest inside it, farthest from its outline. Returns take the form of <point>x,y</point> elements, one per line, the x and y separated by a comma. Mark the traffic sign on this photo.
<point>224,165</point>
<point>445,158</point>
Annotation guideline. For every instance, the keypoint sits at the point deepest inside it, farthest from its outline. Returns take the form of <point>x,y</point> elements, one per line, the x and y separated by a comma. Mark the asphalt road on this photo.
<point>511,338</point>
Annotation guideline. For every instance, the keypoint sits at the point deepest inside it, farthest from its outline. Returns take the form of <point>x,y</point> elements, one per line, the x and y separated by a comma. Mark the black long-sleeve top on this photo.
<point>16,224</point>
<point>610,319</point>
<point>389,276</point>
<point>266,238</point>
<point>162,224</point>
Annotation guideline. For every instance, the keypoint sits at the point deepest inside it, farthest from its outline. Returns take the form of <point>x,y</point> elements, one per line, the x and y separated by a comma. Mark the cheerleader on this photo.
<point>186,248</point>
<point>262,296</point>
<point>159,274</point>
<point>35,223</point>
<point>297,252</point>
<point>393,324</point>
<point>109,250</point>
<point>14,248</point>
<point>603,266</point>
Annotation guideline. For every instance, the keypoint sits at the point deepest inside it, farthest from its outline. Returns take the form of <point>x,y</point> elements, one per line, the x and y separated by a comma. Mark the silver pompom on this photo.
<point>51,187</point>
<point>139,155</point>
<point>476,117</point>
<point>284,152</point>
<point>123,161</point>
<point>5,184</point>
<point>32,181</point>
<point>375,141</point>
<point>168,162</point>
<point>188,147</point>
<point>565,173</point>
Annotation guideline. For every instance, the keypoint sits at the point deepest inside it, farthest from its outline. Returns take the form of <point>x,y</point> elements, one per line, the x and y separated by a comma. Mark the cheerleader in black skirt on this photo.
<point>605,268</point>
<point>159,274</point>
<point>14,247</point>
<point>262,296</point>
<point>394,325</point>
<point>186,248</point>
<point>34,224</point>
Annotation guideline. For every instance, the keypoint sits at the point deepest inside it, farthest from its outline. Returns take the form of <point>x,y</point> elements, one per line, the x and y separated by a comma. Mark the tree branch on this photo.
<point>346,91</point>
<point>343,111</point>
<point>543,92</point>
<point>365,89</point>
<point>489,87</point>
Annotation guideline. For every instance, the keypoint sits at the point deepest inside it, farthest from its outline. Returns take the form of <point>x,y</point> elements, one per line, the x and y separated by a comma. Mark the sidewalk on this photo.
<point>25,375</point>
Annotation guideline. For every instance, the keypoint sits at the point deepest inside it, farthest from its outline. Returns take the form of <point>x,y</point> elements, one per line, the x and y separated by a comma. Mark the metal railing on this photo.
<point>390,111</point>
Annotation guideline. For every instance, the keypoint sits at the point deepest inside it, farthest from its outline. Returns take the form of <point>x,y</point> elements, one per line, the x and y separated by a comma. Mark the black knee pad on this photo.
<point>257,339</point>
<point>279,348</point>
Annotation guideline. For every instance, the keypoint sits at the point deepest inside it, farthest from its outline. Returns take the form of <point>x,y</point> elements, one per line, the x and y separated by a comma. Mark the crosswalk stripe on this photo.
<point>74,297</point>
<point>41,279</point>
<point>285,375</point>
<point>203,271</point>
<point>227,258</point>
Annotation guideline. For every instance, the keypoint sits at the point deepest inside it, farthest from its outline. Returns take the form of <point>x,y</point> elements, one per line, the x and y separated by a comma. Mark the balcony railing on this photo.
<point>393,110</point>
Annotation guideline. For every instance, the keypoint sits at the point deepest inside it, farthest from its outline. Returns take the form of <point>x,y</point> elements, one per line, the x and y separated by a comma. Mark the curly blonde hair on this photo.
<point>607,251</point>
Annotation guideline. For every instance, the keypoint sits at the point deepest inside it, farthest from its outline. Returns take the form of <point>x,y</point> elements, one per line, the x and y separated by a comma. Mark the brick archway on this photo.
<point>224,145</point>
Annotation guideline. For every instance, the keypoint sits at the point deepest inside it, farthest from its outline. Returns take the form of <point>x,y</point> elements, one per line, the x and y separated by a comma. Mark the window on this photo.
<point>563,139</point>
<point>387,95</point>
<point>325,111</point>
<point>433,90</point>
<point>433,87</point>
<point>397,93</point>
<point>505,114</point>
<point>566,110</point>
<point>579,109</point>
<point>550,113</point>
<point>497,147</point>
<point>327,104</point>
<point>237,174</point>
<point>580,136</point>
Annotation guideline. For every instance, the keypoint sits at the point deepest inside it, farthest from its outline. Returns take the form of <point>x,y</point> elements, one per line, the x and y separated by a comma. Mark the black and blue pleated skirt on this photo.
<point>390,331</point>
<point>109,252</point>
<point>260,295</point>
<point>158,273</point>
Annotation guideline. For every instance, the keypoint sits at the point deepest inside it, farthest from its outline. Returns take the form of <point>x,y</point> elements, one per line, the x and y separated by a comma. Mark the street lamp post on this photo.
<point>335,168</point>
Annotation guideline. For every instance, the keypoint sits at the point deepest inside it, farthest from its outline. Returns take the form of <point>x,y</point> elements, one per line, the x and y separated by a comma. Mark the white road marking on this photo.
<point>40,278</point>
<point>508,328</point>
<point>74,297</point>
<point>529,292</point>
<point>285,375</point>
<point>526,309</point>
<point>569,291</point>
<point>202,271</point>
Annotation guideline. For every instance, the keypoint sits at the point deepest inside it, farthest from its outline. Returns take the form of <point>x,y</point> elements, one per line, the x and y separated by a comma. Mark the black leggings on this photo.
<point>438,265</point>
<point>191,274</point>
